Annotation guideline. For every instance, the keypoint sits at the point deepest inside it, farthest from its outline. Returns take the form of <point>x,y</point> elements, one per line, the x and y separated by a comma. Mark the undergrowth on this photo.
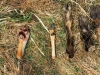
<point>16,13</point>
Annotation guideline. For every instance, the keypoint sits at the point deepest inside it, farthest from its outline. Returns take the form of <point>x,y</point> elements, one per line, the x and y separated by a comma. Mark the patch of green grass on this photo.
<point>77,69</point>
<point>97,1</point>
<point>1,61</point>
<point>40,36</point>
<point>97,67</point>
<point>53,71</point>
<point>2,25</point>
<point>28,52</point>
<point>62,35</point>
<point>0,8</point>
<point>38,71</point>
<point>50,20</point>
<point>61,0</point>
<point>17,17</point>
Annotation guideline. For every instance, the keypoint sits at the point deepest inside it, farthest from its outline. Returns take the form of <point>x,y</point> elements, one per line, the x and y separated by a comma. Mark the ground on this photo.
<point>37,58</point>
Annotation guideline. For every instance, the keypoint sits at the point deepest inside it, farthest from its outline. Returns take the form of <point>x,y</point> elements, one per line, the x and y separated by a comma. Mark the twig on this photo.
<point>82,9</point>
<point>37,46</point>
<point>41,22</point>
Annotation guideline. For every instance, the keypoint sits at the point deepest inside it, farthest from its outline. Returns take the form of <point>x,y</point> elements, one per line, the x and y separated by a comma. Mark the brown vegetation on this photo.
<point>37,58</point>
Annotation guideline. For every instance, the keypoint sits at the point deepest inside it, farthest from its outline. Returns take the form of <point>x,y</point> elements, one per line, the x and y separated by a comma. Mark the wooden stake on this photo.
<point>52,36</point>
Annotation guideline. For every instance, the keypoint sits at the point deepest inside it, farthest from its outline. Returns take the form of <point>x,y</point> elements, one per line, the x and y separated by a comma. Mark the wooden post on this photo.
<point>52,37</point>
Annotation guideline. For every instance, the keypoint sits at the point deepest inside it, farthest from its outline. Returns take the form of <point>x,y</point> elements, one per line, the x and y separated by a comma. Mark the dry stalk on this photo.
<point>82,9</point>
<point>41,22</point>
<point>37,46</point>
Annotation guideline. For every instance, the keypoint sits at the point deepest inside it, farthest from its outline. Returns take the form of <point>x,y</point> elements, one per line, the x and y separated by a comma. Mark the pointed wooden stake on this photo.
<point>52,37</point>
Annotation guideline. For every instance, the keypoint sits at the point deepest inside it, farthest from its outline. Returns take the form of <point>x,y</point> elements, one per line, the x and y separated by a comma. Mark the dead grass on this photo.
<point>13,15</point>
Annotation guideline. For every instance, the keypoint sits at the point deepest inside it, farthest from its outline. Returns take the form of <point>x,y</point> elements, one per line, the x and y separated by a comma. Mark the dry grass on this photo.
<point>16,13</point>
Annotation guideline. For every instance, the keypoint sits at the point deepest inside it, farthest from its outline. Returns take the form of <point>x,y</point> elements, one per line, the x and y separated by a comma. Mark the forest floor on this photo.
<point>37,58</point>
